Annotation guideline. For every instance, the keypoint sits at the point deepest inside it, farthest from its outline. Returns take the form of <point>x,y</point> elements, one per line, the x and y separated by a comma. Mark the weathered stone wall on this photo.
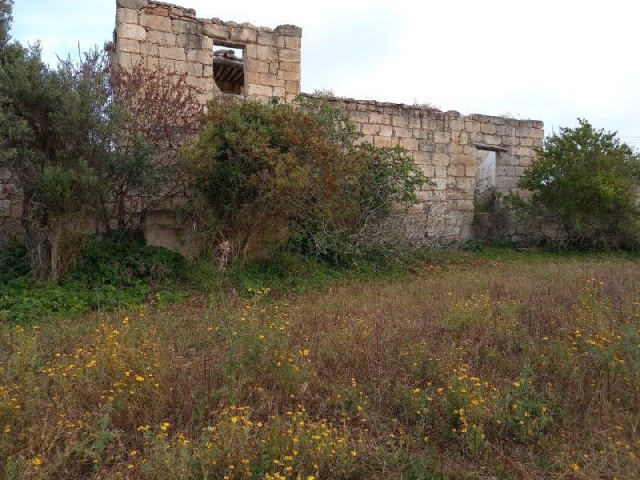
<point>445,145</point>
<point>171,36</point>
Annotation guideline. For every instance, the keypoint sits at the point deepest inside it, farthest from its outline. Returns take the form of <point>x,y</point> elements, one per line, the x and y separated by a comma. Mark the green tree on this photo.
<point>264,175</point>
<point>585,182</point>
<point>48,142</point>
<point>87,144</point>
<point>6,8</point>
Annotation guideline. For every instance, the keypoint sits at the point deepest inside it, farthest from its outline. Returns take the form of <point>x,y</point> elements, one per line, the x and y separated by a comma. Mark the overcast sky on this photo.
<point>552,60</point>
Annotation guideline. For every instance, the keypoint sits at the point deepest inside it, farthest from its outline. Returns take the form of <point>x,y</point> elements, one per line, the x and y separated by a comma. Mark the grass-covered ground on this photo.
<point>499,364</point>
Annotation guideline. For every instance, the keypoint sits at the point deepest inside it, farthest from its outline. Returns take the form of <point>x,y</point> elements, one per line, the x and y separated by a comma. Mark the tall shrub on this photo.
<point>585,182</point>
<point>265,175</point>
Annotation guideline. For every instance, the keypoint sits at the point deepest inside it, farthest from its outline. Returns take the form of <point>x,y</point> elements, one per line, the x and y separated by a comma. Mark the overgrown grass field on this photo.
<point>483,367</point>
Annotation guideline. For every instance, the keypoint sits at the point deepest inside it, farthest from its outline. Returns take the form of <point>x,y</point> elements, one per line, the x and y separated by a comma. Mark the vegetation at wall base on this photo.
<point>113,271</point>
<point>264,176</point>
<point>117,270</point>
<point>583,189</point>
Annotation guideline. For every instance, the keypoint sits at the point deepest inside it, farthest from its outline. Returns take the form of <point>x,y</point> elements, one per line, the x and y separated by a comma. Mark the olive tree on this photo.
<point>585,183</point>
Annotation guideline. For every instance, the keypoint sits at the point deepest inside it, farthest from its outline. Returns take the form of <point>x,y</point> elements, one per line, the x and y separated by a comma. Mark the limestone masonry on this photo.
<point>469,158</point>
<point>172,36</point>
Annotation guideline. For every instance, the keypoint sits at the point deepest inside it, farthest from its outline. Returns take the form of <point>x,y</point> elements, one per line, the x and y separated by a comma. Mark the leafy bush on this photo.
<point>13,262</point>
<point>585,183</point>
<point>87,144</point>
<point>122,259</point>
<point>263,175</point>
<point>115,270</point>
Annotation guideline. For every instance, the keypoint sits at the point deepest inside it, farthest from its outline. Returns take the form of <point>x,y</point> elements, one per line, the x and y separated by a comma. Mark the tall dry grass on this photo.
<point>471,370</point>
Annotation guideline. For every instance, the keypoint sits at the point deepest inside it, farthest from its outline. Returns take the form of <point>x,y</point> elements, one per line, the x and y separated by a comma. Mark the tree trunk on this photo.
<point>38,247</point>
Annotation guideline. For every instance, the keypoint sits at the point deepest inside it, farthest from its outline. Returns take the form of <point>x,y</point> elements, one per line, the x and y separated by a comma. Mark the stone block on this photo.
<point>128,45</point>
<point>159,10</point>
<point>195,69</point>
<point>244,35</point>
<point>259,91</point>
<point>506,130</point>
<point>290,66</point>
<point>181,67</point>
<point>456,170</point>
<point>526,142</point>
<point>492,140</point>
<point>384,142</point>
<point>173,53</point>
<point>460,137</point>
<point>207,71</point>
<point>266,53</point>
<point>376,118</point>
<point>537,133</point>
<point>16,209</point>
<point>488,128</point>
<point>415,122</point>
<point>257,66</point>
<point>215,31</point>
<point>270,80</point>
<point>268,39</point>
<point>205,84</point>
<point>440,172</point>
<point>251,51</point>
<point>149,49</point>
<point>164,39</point>
<point>288,30</point>
<point>420,134</point>
<point>288,76</point>
<point>279,92</point>
<point>471,127</point>
<point>402,132</point>
<point>292,86</point>
<point>204,56</point>
<point>410,144</point>
<point>524,132</point>
<point>133,4</point>
<point>441,160</point>
<point>289,56</point>
<point>421,158</point>
<point>190,42</point>
<point>386,131</point>
<point>455,124</point>
<point>292,43</point>
<point>476,137</point>
<point>428,171</point>
<point>370,129</point>
<point>359,117</point>
<point>399,121</point>
<point>161,62</point>
<point>154,22</point>
<point>206,43</point>
<point>134,32</point>
<point>455,149</point>
<point>442,137</point>
<point>126,15</point>
<point>128,60</point>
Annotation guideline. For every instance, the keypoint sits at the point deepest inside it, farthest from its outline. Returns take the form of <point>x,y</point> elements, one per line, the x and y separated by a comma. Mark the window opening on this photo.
<point>228,69</point>
<point>485,174</point>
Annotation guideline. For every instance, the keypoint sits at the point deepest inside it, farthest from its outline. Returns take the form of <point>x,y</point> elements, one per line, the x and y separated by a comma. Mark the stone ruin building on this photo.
<point>469,158</point>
